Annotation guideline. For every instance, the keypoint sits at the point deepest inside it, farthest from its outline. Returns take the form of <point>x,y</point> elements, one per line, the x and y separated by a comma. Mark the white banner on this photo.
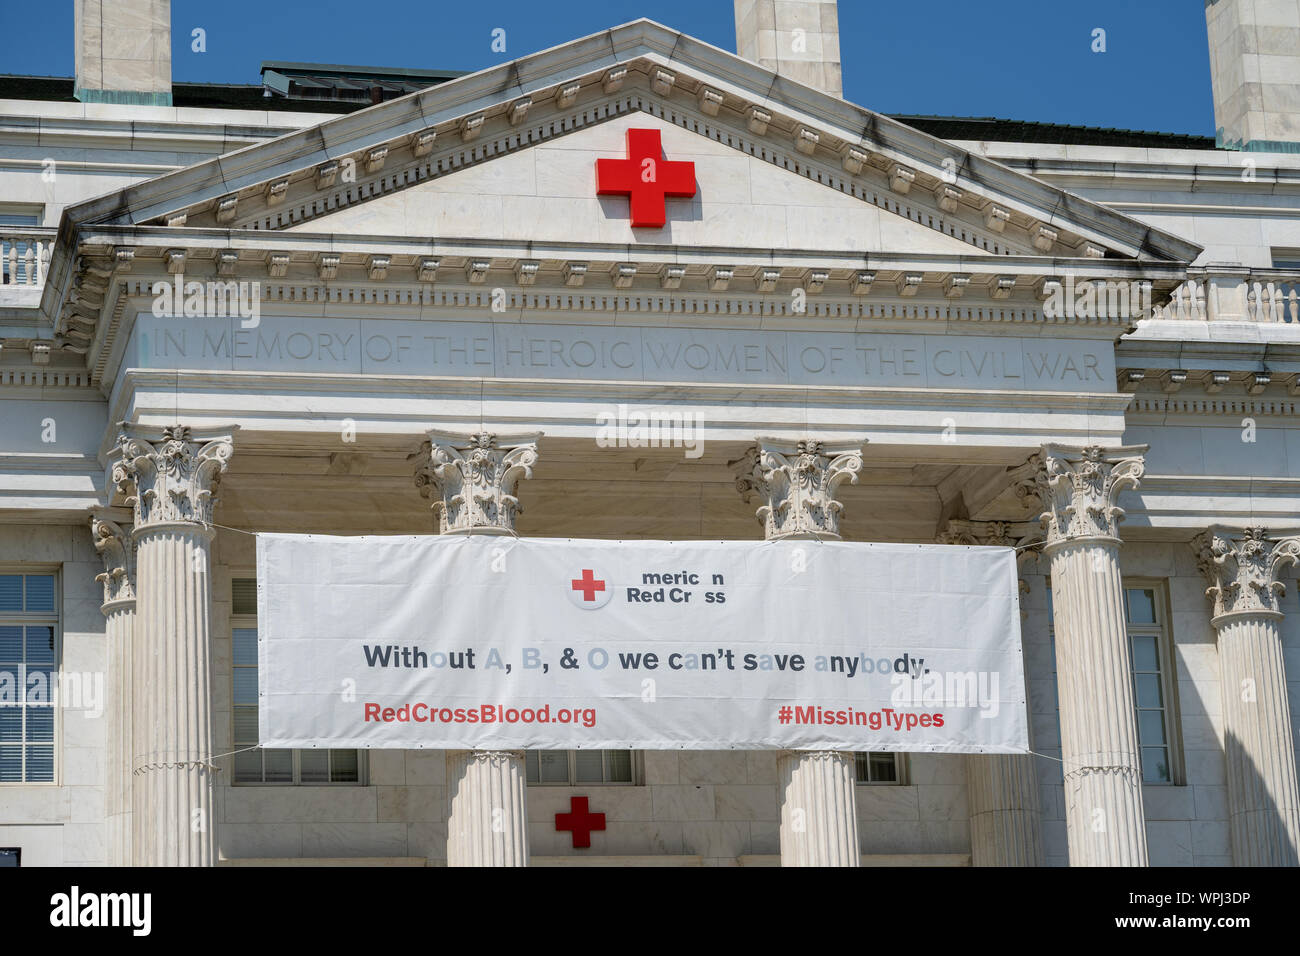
<point>498,642</point>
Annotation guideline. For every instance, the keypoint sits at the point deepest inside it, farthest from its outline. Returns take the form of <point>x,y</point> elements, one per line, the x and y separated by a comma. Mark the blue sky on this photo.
<point>1019,59</point>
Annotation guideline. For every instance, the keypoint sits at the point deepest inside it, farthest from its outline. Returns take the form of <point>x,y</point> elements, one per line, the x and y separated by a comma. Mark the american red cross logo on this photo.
<point>579,822</point>
<point>588,584</point>
<point>645,178</point>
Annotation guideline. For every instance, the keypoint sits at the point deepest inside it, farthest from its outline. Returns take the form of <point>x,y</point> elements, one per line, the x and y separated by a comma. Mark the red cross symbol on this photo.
<point>645,178</point>
<point>588,584</point>
<point>579,822</point>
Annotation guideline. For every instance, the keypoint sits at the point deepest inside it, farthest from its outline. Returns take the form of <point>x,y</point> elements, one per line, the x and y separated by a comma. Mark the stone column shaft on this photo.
<point>489,808</point>
<point>471,481</point>
<point>1006,822</point>
<point>171,481</point>
<point>819,817</point>
<point>1259,748</point>
<point>173,717</point>
<point>795,484</point>
<point>1099,741</point>
<point>118,578</point>
<point>119,630</point>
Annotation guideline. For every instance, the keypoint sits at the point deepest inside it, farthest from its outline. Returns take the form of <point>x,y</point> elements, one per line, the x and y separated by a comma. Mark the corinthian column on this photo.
<point>472,480</point>
<point>170,479</point>
<point>1006,824</point>
<point>795,484</point>
<point>1263,804</point>
<point>1099,742</point>
<point>115,547</point>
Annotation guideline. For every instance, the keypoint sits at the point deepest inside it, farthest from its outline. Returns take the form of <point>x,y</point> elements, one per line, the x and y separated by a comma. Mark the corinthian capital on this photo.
<point>1242,566</point>
<point>116,548</point>
<point>472,479</point>
<point>1078,488</point>
<point>795,483</point>
<point>171,475</point>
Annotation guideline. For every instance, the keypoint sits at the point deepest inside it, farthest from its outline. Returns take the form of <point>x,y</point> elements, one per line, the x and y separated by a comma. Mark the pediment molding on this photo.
<point>687,75</point>
<point>880,177</point>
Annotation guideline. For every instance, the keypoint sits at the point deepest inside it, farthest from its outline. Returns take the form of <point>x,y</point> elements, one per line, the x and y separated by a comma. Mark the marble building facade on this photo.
<point>1090,353</point>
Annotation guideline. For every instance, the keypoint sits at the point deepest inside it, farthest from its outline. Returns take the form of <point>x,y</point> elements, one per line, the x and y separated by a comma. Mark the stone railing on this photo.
<point>1235,295</point>
<point>25,254</point>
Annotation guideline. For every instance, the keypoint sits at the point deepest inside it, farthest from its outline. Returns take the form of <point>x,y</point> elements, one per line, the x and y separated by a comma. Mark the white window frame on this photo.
<point>638,771</point>
<point>249,621</point>
<point>7,211</point>
<point>1284,258</point>
<point>862,759</point>
<point>22,619</point>
<point>1166,659</point>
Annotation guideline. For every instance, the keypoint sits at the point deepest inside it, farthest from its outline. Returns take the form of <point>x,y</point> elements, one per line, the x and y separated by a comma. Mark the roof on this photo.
<point>995,129</point>
<point>253,97</point>
<point>58,89</point>
<point>358,85</point>
<point>395,72</point>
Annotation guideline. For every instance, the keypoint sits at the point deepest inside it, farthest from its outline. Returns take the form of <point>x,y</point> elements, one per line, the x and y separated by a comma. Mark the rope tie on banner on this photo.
<point>228,528</point>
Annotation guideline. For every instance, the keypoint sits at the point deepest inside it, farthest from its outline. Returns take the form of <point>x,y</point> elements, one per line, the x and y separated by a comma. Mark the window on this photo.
<point>15,273</point>
<point>1289,292</point>
<point>879,768</point>
<point>29,656</point>
<point>258,766</point>
<point>1150,667</point>
<point>570,768</point>
<point>10,856</point>
<point>1151,647</point>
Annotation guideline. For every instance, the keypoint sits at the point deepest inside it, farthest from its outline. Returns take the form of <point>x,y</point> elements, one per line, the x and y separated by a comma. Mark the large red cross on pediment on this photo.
<point>645,177</point>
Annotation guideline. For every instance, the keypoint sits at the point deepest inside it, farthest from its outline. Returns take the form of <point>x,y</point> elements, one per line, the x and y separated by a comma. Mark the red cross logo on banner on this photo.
<point>579,822</point>
<point>589,591</point>
<point>588,585</point>
<point>645,178</point>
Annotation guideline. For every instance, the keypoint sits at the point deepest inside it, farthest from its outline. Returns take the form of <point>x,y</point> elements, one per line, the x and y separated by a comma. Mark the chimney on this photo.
<point>124,51</point>
<point>1255,69</point>
<point>796,38</point>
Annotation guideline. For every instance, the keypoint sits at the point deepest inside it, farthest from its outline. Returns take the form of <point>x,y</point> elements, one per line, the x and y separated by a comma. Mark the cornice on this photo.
<point>1228,406</point>
<point>117,263</point>
<point>45,378</point>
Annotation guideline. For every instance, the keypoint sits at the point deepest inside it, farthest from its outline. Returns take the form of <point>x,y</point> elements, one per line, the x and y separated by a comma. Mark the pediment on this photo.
<point>547,193</point>
<point>508,153</point>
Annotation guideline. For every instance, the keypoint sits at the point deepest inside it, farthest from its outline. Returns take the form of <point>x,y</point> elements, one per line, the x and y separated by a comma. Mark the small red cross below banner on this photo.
<point>579,822</point>
<point>645,177</point>
<point>588,584</point>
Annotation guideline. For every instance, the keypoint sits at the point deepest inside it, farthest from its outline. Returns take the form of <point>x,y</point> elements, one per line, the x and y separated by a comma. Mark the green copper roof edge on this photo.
<point>122,97</point>
<point>1255,145</point>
